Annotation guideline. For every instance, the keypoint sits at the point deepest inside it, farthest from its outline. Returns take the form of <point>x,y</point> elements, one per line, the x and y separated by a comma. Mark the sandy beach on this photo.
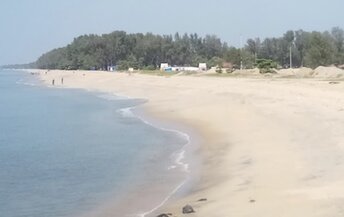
<point>269,147</point>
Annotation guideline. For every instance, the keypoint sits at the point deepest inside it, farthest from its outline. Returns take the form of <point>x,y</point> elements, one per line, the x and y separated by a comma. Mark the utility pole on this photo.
<point>292,44</point>
<point>290,57</point>
<point>241,64</point>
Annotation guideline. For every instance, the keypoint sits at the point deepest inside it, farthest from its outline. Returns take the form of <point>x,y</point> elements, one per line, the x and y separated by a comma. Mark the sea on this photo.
<point>70,153</point>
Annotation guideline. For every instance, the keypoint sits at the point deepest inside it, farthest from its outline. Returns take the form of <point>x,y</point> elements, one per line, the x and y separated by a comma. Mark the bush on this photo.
<point>149,68</point>
<point>122,65</point>
<point>266,66</point>
<point>229,70</point>
<point>219,70</point>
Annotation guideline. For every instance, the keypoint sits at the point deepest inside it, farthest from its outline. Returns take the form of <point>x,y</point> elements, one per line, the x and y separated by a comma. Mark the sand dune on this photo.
<point>270,147</point>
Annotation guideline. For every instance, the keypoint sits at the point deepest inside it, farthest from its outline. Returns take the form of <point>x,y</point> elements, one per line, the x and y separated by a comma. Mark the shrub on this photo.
<point>219,70</point>
<point>265,65</point>
<point>149,68</point>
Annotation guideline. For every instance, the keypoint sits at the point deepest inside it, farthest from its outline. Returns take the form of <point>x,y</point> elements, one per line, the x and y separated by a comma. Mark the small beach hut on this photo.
<point>202,66</point>
<point>111,68</point>
<point>163,66</point>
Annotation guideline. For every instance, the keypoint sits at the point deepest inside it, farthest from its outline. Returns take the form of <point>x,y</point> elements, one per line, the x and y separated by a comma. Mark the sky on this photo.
<point>29,28</point>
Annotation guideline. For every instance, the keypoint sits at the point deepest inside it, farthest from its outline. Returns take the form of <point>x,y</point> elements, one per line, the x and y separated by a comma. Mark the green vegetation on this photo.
<point>310,49</point>
<point>157,72</point>
<point>147,51</point>
<point>219,70</point>
<point>266,66</point>
<point>139,51</point>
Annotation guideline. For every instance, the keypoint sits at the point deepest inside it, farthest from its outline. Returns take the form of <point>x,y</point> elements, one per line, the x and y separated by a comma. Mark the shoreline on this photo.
<point>268,145</point>
<point>179,155</point>
<point>139,112</point>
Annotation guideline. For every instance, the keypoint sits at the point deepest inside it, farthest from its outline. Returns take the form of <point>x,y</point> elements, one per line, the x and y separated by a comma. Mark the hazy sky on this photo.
<point>29,28</point>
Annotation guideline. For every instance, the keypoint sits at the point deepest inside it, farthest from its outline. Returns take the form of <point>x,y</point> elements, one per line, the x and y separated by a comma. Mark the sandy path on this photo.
<point>271,147</point>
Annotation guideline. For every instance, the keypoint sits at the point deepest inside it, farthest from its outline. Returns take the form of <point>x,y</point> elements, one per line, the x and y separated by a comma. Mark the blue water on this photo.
<point>65,152</point>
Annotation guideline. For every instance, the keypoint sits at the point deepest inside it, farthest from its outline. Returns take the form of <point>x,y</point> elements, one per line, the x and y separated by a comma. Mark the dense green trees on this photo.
<point>321,50</point>
<point>133,50</point>
<point>148,50</point>
<point>309,49</point>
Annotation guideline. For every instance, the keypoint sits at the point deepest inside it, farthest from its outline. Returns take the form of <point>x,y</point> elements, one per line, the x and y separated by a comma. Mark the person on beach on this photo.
<point>62,80</point>
<point>53,82</point>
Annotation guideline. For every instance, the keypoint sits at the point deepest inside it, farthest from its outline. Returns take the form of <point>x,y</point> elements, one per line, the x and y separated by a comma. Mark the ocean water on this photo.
<point>70,153</point>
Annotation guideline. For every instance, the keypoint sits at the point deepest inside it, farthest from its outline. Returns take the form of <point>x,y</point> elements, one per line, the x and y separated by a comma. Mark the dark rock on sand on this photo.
<point>202,199</point>
<point>165,215</point>
<point>188,209</point>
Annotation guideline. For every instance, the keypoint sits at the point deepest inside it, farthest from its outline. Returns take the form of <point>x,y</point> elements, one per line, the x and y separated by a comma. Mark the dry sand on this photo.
<point>328,72</point>
<point>302,72</point>
<point>271,147</point>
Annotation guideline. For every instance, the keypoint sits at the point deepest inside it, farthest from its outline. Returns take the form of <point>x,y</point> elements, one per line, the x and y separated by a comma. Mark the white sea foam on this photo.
<point>163,202</point>
<point>22,82</point>
<point>180,162</point>
<point>179,156</point>
<point>127,112</point>
<point>111,97</point>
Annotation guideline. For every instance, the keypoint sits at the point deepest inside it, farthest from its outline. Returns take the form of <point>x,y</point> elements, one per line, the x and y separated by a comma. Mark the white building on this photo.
<point>202,66</point>
<point>111,68</point>
<point>163,66</point>
<point>185,68</point>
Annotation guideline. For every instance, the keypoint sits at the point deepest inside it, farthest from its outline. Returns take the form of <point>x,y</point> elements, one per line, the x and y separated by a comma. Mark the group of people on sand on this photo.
<point>53,81</point>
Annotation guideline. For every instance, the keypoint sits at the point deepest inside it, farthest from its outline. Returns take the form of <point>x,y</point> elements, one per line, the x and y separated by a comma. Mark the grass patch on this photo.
<point>156,72</point>
<point>222,75</point>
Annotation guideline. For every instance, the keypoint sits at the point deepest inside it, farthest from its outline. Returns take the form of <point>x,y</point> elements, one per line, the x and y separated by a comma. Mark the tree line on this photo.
<point>310,49</point>
<point>147,51</point>
<point>142,51</point>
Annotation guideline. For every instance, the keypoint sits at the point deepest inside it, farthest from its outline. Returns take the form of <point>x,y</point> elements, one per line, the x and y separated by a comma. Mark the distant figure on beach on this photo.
<point>62,80</point>
<point>53,82</point>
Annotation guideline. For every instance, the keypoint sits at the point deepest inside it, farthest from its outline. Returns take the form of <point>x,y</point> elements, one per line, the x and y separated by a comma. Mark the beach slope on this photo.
<point>270,147</point>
